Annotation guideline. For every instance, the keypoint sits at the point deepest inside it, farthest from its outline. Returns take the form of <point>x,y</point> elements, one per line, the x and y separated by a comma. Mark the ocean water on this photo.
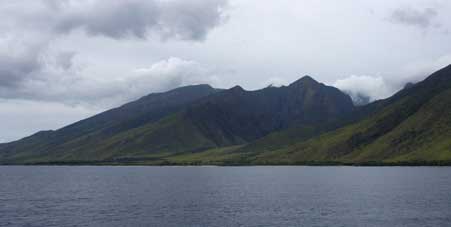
<point>224,196</point>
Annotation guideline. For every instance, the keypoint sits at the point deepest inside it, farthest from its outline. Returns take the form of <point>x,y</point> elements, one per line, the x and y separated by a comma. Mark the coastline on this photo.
<point>319,164</point>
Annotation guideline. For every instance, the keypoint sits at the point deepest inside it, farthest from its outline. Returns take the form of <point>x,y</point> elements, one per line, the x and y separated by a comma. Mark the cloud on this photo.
<point>65,59</point>
<point>175,72</point>
<point>173,19</point>
<point>18,62</point>
<point>32,68</point>
<point>365,87</point>
<point>414,17</point>
<point>373,88</point>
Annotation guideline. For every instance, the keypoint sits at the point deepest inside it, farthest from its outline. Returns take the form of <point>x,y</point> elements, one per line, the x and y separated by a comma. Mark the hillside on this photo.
<point>174,123</point>
<point>413,126</point>
<point>86,133</point>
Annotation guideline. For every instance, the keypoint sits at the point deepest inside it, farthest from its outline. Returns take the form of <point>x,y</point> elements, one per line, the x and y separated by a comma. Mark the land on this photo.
<point>305,123</point>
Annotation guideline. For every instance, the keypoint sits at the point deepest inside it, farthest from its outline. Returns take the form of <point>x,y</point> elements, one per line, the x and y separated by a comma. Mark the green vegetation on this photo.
<point>413,127</point>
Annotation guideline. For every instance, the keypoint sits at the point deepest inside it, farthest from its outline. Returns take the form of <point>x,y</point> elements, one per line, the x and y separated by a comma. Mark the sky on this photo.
<point>65,60</point>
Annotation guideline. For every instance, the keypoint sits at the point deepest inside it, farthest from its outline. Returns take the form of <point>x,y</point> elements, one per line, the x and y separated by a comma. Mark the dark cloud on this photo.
<point>118,19</point>
<point>183,20</point>
<point>190,20</point>
<point>31,68</point>
<point>413,17</point>
<point>19,67</point>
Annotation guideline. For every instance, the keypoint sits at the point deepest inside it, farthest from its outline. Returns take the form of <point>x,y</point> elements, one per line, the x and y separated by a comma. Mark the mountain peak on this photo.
<point>304,81</point>
<point>307,77</point>
<point>237,88</point>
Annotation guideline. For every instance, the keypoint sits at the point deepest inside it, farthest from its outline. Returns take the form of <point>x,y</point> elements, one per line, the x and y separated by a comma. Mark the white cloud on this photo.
<point>374,87</point>
<point>175,72</point>
<point>380,87</point>
<point>118,19</point>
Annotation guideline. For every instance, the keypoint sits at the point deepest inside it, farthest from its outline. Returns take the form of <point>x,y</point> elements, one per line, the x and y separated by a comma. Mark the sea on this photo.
<point>213,196</point>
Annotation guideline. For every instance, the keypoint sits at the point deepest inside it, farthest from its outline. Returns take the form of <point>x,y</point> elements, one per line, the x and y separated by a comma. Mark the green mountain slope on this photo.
<point>218,119</point>
<point>82,138</point>
<point>413,126</point>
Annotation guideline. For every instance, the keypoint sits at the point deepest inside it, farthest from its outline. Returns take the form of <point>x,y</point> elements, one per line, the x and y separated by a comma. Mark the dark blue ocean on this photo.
<point>224,196</point>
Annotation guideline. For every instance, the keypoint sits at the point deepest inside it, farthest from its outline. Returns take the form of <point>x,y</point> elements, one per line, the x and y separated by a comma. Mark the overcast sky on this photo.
<point>64,60</point>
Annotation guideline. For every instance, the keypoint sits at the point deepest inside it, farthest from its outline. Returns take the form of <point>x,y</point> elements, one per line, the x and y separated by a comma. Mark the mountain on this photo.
<point>237,116</point>
<point>304,123</point>
<point>411,127</point>
<point>89,132</point>
<point>186,120</point>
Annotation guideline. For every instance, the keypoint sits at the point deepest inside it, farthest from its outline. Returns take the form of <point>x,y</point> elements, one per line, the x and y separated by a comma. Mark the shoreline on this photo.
<point>311,164</point>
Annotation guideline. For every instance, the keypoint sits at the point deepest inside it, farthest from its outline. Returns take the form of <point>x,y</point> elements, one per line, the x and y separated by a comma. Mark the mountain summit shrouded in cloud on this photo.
<point>361,88</point>
<point>83,57</point>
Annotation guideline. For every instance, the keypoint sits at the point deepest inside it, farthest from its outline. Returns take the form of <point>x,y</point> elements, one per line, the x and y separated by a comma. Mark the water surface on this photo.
<point>224,196</point>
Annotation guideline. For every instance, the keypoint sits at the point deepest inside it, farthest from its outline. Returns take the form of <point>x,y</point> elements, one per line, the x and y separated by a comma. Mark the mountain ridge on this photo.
<point>382,135</point>
<point>211,118</point>
<point>306,122</point>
